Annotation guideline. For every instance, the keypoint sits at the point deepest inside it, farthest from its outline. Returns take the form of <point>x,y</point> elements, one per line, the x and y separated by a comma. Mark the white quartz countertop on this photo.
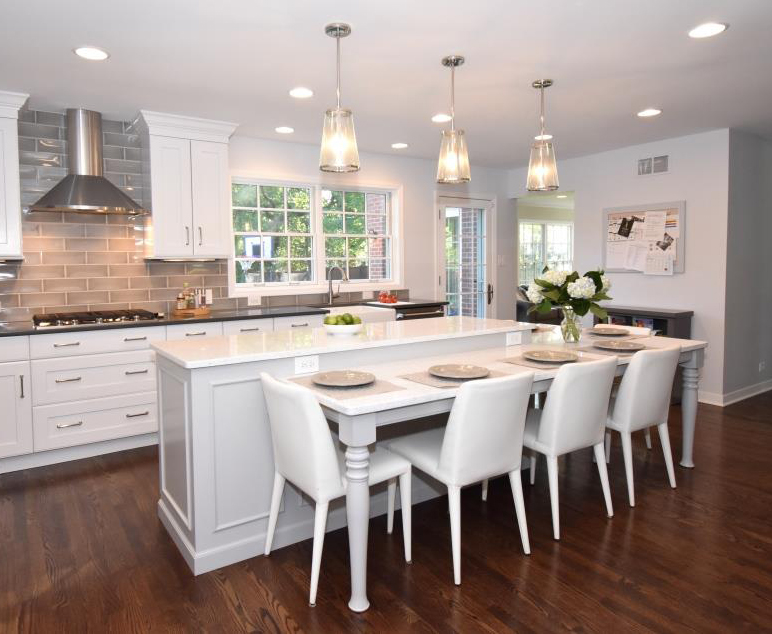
<point>263,346</point>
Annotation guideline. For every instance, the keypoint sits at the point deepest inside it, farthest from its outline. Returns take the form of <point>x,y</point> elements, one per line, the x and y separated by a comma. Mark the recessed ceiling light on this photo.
<point>650,112</point>
<point>285,129</point>
<point>399,146</point>
<point>301,93</point>
<point>542,137</point>
<point>92,53</point>
<point>441,118</point>
<point>562,196</point>
<point>709,29</point>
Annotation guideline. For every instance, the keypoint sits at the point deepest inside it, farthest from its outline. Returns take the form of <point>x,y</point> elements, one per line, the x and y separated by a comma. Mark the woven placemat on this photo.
<point>434,381</point>
<point>539,365</point>
<point>590,333</point>
<point>612,353</point>
<point>343,393</point>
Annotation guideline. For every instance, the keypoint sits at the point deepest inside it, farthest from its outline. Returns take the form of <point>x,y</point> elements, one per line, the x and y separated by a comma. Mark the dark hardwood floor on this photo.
<point>81,550</point>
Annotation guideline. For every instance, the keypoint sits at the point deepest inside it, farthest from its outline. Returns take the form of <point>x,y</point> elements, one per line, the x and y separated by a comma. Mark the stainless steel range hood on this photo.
<point>84,189</point>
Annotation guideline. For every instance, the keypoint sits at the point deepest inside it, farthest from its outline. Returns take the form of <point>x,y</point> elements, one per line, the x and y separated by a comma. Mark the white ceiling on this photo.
<point>236,59</point>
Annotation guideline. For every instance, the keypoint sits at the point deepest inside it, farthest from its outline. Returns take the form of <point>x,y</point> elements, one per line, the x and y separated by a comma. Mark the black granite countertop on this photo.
<point>408,303</point>
<point>14,328</point>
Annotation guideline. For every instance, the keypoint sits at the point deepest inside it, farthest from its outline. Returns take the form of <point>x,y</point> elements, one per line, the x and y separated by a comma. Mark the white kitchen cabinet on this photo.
<point>81,342</point>
<point>186,166</point>
<point>10,202</point>
<point>298,321</point>
<point>247,326</point>
<point>16,416</point>
<point>198,330</point>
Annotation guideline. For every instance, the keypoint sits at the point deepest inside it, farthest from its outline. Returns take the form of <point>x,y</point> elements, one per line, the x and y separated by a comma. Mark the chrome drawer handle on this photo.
<point>305,325</point>
<point>249,329</point>
<point>65,345</point>
<point>21,385</point>
<point>66,425</point>
<point>200,236</point>
<point>130,372</point>
<point>72,380</point>
<point>195,334</point>
<point>136,415</point>
<point>135,338</point>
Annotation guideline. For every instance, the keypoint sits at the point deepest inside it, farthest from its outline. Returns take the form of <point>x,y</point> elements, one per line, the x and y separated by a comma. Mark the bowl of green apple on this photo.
<point>343,324</point>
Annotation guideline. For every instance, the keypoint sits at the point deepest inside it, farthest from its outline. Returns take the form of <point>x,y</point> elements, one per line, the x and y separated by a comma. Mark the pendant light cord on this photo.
<point>452,98</point>
<point>541,117</point>
<point>337,90</point>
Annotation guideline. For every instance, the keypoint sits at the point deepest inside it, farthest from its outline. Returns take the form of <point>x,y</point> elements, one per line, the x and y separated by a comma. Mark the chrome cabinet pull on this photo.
<point>187,236</point>
<point>130,372</point>
<point>136,415</point>
<point>200,236</point>
<point>66,425</point>
<point>135,338</point>
<point>248,329</point>
<point>195,334</point>
<point>21,385</point>
<point>65,345</point>
<point>305,325</point>
<point>71,380</point>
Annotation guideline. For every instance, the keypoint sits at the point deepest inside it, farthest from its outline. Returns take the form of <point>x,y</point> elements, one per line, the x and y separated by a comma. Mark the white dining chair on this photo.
<point>483,439</point>
<point>643,401</point>
<point>572,418</point>
<point>305,455</point>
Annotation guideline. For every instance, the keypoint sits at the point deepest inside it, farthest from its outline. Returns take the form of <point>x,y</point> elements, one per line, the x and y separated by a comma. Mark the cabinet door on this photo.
<point>10,206</point>
<point>211,198</point>
<point>16,417</point>
<point>172,208</point>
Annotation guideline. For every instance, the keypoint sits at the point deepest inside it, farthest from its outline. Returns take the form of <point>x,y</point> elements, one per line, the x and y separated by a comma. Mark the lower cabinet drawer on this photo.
<point>246,326</point>
<point>92,376</point>
<point>82,422</point>
<point>194,331</point>
<point>300,321</point>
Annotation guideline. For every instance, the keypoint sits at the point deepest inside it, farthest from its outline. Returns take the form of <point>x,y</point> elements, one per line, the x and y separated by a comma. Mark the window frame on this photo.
<point>319,284</point>
<point>544,224</point>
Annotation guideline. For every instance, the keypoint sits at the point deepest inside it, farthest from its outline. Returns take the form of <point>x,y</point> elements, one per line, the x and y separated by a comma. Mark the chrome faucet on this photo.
<point>343,278</point>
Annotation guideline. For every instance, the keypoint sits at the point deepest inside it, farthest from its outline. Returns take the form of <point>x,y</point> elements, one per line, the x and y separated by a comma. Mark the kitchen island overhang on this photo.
<point>215,453</point>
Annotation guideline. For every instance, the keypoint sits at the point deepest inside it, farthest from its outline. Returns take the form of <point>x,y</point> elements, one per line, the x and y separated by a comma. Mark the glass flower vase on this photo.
<point>570,327</point>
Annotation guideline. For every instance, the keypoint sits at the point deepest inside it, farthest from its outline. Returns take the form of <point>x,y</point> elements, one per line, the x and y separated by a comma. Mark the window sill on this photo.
<point>258,292</point>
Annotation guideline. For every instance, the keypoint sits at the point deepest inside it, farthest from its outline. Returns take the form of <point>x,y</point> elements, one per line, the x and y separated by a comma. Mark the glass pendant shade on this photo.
<point>453,165</point>
<point>542,168</point>
<point>339,151</point>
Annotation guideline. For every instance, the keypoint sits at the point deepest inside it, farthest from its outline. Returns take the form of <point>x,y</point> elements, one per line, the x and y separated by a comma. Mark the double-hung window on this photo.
<point>544,243</point>
<point>293,235</point>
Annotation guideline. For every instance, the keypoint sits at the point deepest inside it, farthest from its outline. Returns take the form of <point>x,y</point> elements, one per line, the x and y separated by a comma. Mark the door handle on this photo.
<point>305,325</point>
<point>136,415</point>
<point>200,236</point>
<point>72,380</point>
<point>490,293</point>
<point>248,329</point>
<point>195,334</point>
<point>65,345</point>
<point>187,235</point>
<point>66,425</point>
<point>135,338</point>
<point>21,385</point>
<point>130,372</point>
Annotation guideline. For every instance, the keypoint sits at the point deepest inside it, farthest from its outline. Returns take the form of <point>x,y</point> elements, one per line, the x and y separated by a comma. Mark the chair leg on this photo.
<point>517,492</point>
<point>320,523</point>
<point>485,490</point>
<point>532,468</point>
<point>664,440</point>
<point>627,451</point>
<point>278,489</point>
<point>599,451</point>
<point>391,494</point>
<point>647,434</point>
<point>552,473</point>
<point>454,504</point>
<point>608,447</point>
<point>405,496</point>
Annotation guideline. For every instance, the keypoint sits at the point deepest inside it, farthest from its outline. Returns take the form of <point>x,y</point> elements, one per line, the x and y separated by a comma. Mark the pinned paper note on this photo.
<point>658,263</point>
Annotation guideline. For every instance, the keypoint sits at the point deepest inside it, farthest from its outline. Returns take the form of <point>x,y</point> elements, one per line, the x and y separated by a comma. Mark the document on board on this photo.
<point>654,227</point>
<point>635,258</point>
<point>616,255</point>
<point>658,263</point>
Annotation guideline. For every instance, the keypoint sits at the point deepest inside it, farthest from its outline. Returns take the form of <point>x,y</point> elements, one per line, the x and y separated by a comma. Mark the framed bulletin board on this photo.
<point>646,239</point>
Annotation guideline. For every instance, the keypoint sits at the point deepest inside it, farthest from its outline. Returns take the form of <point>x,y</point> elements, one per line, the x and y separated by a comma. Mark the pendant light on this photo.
<point>453,166</point>
<point>542,169</point>
<point>339,143</point>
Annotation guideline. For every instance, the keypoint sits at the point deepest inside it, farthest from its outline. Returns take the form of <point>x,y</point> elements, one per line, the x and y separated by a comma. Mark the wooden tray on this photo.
<point>191,312</point>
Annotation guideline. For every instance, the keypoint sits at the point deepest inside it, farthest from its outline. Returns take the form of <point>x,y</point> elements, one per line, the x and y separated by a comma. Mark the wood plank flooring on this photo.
<point>81,550</point>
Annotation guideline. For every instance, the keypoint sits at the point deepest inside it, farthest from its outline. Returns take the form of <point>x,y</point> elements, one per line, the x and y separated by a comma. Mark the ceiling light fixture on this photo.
<point>285,129</point>
<point>441,117</point>
<point>91,53</point>
<point>453,165</point>
<point>649,112</point>
<point>542,167</point>
<point>562,196</point>
<point>709,29</point>
<point>301,93</point>
<point>339,143</point>
<point>399,146</point>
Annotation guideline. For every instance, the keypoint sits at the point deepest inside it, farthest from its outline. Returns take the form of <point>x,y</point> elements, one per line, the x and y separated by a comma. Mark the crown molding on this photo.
<point>184,127</point>
<point>10,102</point>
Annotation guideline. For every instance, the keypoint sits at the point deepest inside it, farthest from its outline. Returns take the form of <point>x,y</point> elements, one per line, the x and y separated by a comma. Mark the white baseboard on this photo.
<point>55,456</point>
<point>710,398</point>
<point>735,396</point>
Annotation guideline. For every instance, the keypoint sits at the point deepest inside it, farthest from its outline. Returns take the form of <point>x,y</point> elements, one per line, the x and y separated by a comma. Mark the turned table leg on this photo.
<point>691,379</point>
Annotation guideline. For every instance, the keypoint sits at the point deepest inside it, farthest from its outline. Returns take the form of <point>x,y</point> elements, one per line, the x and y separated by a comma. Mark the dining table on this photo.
<point>359,417</point>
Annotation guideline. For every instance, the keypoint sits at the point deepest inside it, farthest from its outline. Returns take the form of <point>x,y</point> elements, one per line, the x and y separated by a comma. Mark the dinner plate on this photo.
<point>610,332</point>
<point>620,346</point>
<point>459,371</point>
<point>343,378</point>
<point>551,356</point>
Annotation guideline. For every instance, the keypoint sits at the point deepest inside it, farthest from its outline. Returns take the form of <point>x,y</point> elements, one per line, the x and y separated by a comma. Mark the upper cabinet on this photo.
<point>10,203</point>
<point>187,174</point>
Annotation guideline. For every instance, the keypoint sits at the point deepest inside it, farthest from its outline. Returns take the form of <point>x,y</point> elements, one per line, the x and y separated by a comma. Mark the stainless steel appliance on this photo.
<point>419,312</point>
<point>92,317</point>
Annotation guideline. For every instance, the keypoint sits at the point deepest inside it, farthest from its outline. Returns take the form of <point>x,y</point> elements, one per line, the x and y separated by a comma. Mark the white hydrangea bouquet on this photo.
<point>573,294</point>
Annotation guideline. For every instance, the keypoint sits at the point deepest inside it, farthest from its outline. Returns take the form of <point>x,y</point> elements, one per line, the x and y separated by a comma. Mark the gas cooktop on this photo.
<point>93,317</point>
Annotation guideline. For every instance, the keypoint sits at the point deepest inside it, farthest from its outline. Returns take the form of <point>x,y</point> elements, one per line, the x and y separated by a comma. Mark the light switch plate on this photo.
<point>514,338</point>
<point>304,365</point>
